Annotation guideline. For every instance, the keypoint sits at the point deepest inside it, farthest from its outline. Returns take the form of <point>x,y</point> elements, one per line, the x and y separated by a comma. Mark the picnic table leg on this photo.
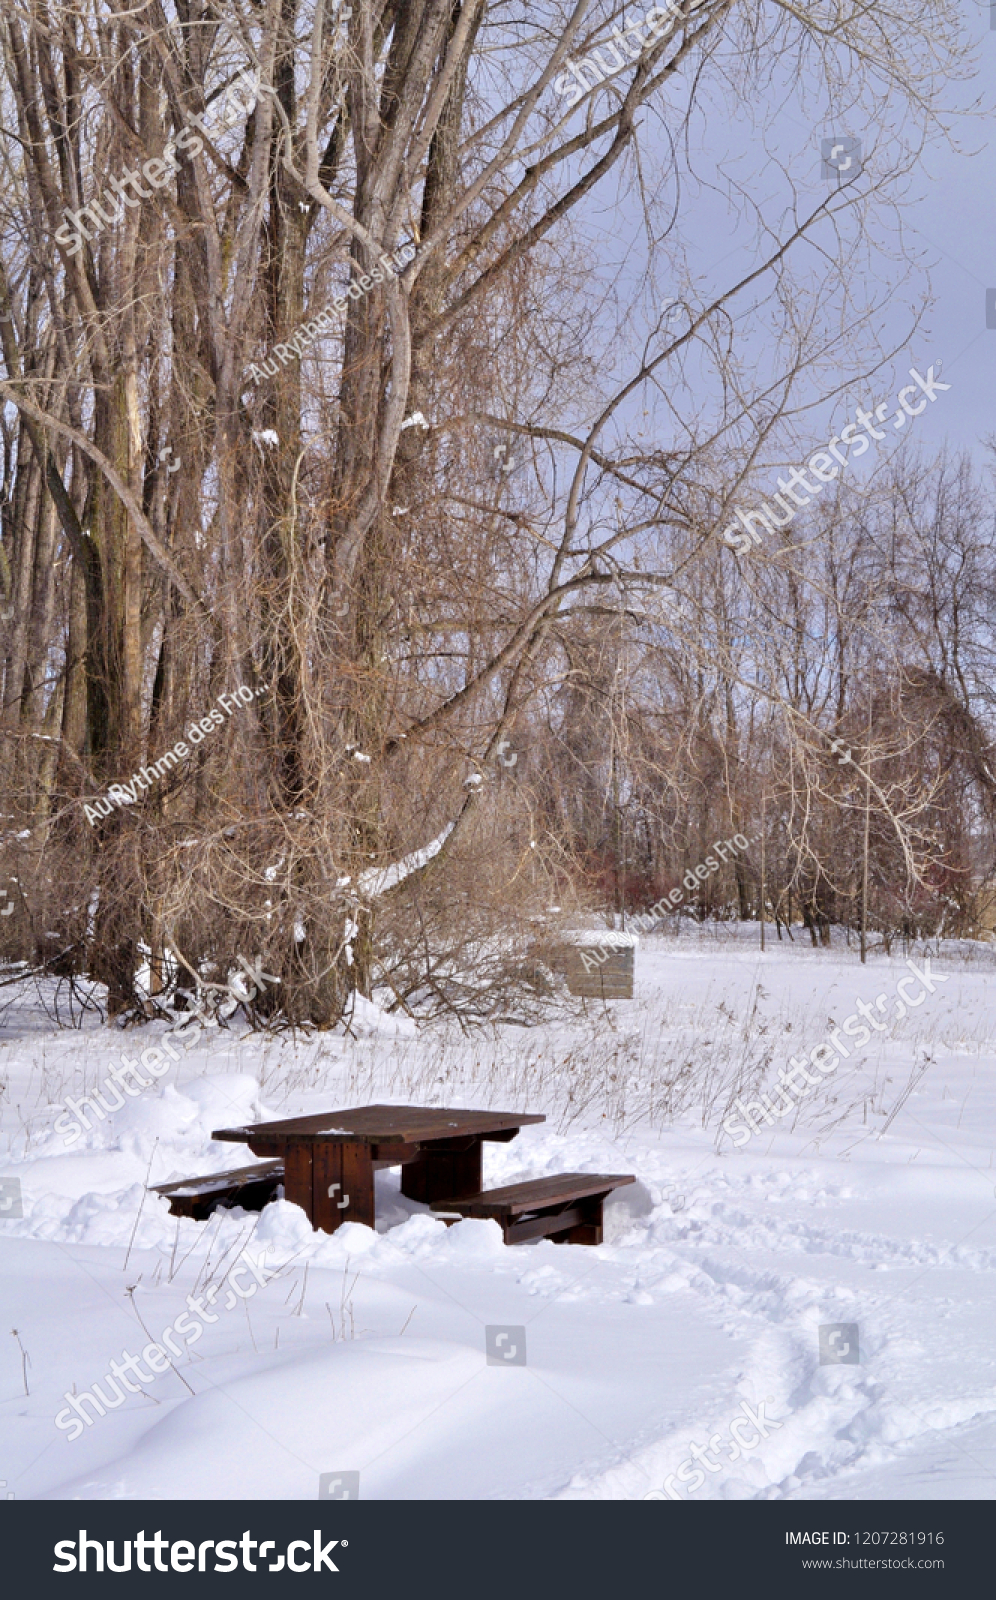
<point>346,1169</point>
<point>327,1211</point>
<point>358,1183</point>
<point>298,1178</point>
<point>446,1169</point>
<point>589,1229</point>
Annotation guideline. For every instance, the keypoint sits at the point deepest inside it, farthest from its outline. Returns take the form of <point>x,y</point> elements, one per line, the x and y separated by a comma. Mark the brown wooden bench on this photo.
<point>566,1209</point>
<point>248,1187</point>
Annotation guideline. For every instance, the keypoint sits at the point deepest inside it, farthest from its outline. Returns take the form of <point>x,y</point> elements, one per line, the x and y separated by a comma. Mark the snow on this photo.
<point>600,938</point>
<point>366,1020</point>
<point>719,1267</point>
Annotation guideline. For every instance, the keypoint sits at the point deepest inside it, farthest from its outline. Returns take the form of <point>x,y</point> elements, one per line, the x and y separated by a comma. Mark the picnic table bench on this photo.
<point>566,1208</point>
<point>329,1160</point>
<point>249,1187</point>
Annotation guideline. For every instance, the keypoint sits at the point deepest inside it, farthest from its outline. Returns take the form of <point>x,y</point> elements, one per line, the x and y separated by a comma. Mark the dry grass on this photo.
<point>585,1065</point>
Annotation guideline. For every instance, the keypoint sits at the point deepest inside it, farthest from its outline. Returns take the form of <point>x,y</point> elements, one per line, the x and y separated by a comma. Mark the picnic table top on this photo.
<point>383,1125</point>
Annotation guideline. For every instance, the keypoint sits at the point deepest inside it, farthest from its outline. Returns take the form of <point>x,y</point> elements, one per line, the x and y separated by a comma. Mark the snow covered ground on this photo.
<point>873,1206</point>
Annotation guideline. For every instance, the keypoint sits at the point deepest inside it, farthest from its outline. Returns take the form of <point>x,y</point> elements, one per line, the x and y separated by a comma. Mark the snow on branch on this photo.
<point>377,880</point>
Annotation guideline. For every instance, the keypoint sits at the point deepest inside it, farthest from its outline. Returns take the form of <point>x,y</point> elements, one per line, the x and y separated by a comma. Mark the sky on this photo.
<point>956,222</point>
<point>947,220</point>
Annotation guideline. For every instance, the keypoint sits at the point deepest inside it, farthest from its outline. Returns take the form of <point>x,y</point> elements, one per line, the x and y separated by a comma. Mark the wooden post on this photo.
<point>444,1172</point>
<point>298,1187</point>
<point>327,1213</point>
<point>357,1183</point>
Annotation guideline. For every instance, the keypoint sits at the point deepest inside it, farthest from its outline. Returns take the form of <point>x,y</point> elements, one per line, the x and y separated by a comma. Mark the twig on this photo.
<point>141,1203</point>
<point>207,1258</point>
<point>915,1077</point>
<point>239,1242</point>
<point>304,1289</point>
<point>347,1304</point>
<point>197,1240</point>
<point>25,1360</point>
<point>342,1301</point>
<point>131,1296</point>
<point>245,1306</point>
<point>409,1318</point>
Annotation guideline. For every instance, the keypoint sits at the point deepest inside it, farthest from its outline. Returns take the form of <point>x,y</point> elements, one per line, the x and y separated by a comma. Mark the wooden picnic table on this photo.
<point>330,1159</point>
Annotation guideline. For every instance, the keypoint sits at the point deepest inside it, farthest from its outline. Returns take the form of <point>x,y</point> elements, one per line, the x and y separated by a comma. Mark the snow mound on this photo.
<point>365,1020</point>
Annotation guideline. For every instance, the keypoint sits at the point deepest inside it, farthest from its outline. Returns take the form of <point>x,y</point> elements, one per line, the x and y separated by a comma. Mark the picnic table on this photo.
<point>329,1160</point>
